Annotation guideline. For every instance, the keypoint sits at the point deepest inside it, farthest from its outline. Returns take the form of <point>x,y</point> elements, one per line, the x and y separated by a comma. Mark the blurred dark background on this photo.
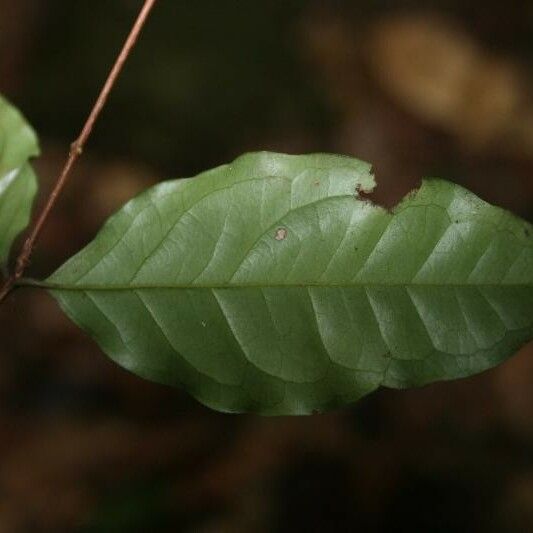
<point>425,88</point>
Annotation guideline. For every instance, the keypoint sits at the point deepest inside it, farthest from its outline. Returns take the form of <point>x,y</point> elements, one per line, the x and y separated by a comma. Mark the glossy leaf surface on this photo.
<point>18,184</point>
<point>267,285</point>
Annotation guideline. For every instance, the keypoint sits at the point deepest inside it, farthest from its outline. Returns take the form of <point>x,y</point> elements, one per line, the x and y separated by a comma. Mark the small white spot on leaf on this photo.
<point>281,234</point>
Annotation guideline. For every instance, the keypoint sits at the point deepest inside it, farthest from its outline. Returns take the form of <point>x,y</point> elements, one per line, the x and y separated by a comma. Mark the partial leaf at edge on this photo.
<point>267,285</point>
<point>18,184</point>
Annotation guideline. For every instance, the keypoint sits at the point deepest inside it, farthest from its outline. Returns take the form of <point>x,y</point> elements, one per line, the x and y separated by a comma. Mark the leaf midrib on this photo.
<point>222,286</point>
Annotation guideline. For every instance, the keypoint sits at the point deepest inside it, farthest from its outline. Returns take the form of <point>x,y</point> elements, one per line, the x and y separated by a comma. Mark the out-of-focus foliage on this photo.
<point>439,73</point>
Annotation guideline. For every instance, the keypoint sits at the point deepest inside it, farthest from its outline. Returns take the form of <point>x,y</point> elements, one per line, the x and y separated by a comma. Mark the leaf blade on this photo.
<point>18,184</point>
<point>267,285</point>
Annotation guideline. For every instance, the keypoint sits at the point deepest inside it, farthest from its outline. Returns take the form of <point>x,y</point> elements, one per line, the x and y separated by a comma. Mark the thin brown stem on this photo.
<point>76,150</point>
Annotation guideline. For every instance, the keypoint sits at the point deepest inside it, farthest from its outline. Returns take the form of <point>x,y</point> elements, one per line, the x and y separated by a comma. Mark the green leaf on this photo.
<point>267,285</point>
<point>18,183</point>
